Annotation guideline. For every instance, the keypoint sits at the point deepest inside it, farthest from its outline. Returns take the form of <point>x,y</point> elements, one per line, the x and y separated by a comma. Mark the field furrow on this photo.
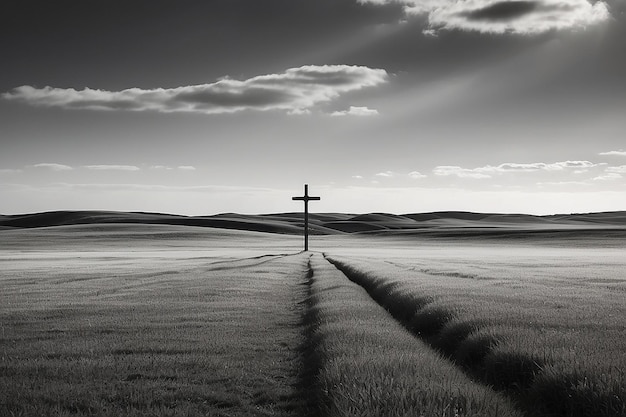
<point>552,357</point>
<point>369,365</point>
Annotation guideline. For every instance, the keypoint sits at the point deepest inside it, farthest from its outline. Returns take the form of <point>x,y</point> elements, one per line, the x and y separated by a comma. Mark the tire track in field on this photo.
<point>311,362</point>
<point>528,380</point>
<point>243,262</point>
<point>427,323</point>
<point>366,349</point>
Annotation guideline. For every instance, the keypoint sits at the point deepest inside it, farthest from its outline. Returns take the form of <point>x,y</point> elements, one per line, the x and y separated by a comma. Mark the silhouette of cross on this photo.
<point>306,198</point>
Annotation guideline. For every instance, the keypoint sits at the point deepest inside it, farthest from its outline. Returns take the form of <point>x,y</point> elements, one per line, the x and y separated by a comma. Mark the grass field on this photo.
<point>546,326</point>
<point>134,320</point>
<point>157,329</point>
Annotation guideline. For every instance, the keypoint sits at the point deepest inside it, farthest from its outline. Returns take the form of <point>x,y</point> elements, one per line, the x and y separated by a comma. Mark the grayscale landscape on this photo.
<point>437,314</point>
<point>458,248</point>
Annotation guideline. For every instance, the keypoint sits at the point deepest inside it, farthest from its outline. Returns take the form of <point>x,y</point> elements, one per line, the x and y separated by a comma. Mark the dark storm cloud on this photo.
<point>507,10</point>
<point>295,90</point>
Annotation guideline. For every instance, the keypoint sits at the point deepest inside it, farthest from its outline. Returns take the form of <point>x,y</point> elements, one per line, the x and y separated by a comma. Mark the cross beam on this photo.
<point>306,198</point>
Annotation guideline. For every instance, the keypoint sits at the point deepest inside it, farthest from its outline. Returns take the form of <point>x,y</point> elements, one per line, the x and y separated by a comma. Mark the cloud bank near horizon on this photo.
<point>520,17</point>
<point>213,199</point>
<point>296,90</point>
<point>488,170</point>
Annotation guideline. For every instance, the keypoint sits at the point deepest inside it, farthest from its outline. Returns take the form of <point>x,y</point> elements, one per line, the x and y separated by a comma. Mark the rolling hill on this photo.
<point>435,223</point>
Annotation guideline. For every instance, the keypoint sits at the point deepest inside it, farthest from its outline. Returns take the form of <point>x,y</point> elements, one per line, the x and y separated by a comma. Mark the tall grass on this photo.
<point>369,365</point>
<point>558,350</point>
<point>122,336</point>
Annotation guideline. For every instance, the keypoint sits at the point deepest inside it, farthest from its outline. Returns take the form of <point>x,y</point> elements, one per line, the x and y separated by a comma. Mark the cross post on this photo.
<point>306,198</point>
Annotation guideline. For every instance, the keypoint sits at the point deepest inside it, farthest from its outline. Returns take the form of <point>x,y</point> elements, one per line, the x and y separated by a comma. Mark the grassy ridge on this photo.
<point>369,365</point>
<point>151,337</point>
<point>556,358</point>
<point>457,225</point>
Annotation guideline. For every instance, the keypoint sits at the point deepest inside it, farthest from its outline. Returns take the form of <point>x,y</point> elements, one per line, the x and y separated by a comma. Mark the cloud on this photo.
<point>356,111</point>
<point>613,153</point>
<point>169,168</point>
<point>487,171</point>
<point>522,17</point>
<point>571,165</point>
<point>502,11</point>
<point>159,187</point>
<point>54,167</point>
<point>112,167</point>
<point>563,183</point>
<point>357,177</point>
<point>10,171</point>
<point>514,167</point>
<point>446,170</point>
<point>619,170</point>
<point>537,166</point>
<point>299,112</point>
<point>611,176</point>
<point>295,91</point>
<point>416,175</point>
<point>516,170</point>
<point>386,174</point>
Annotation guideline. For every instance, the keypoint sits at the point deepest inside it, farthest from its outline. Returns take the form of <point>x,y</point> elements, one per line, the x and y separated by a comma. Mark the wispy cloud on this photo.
<point>613,153</point>
<point>386,174</point>
<point>299,112</point>
<point>504,16</point>
<point>295,91</point>
<point>159,187</point>
<point>356,111</point>
<point>170,168</point>
<point>611,176</point>
<point>488,171</point>
<point>10,171</point>
<point>563,183</point>
<point>53,166</point>
<point>537,166</point>
<point>416,175</point>
<point>112,167</point>
<point>448,170</point>
<point>620,169</point>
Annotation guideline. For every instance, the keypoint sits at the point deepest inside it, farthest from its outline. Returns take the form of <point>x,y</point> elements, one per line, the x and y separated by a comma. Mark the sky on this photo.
<point>402,106</point>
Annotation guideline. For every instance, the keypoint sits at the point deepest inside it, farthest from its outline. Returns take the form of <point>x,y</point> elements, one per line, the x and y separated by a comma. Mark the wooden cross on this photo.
<point>306,198</point>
